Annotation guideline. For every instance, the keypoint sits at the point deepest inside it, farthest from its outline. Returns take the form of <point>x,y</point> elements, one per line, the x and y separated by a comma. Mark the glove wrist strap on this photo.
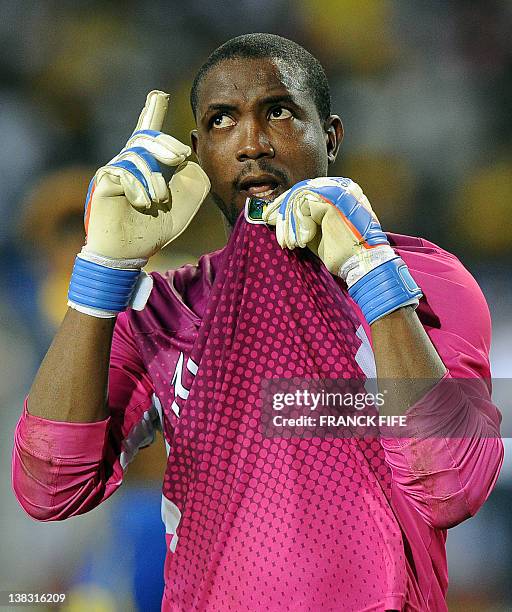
<point>385,289</point>
<point>104,292</point>
<point>109,262</point>
<point>363,262</point>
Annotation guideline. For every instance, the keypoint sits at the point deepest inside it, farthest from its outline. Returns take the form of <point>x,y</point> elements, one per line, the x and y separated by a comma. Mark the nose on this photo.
<point>254,143</point>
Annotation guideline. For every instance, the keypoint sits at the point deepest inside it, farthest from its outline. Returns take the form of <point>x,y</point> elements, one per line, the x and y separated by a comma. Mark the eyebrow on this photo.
<point>219,107</point>
<point>222,107</point>
<point>287,98</point>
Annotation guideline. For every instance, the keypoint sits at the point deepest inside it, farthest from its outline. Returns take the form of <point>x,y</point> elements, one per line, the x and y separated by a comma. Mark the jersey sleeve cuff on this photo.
<point>49,439</point>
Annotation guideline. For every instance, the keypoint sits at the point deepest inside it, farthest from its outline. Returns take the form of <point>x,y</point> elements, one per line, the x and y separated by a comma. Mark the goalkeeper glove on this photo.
<point>334,218</point>
<point>131,212</point>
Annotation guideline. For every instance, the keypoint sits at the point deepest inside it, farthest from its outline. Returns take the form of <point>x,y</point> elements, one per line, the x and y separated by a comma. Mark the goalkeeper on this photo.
<point>251,523</point>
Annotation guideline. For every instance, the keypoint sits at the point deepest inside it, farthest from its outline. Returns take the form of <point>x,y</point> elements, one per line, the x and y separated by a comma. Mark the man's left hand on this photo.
<point>334,218</point>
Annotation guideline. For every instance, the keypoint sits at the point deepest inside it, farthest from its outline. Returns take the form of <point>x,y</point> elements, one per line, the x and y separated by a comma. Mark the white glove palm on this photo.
<point>131,212</point>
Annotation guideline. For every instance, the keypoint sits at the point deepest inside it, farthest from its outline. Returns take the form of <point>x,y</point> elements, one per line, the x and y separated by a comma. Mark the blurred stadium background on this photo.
<point>425,92</point>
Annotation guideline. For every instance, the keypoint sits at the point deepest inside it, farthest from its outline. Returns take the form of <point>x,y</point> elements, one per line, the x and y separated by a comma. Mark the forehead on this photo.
<point>244,80</point>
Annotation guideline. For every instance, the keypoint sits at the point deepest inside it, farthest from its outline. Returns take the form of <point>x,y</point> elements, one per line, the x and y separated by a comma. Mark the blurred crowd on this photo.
<point>424,90</point>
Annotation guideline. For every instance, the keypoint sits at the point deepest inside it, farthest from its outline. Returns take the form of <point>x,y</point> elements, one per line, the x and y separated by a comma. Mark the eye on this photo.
<point>221,121</point>
<point>280,113</point>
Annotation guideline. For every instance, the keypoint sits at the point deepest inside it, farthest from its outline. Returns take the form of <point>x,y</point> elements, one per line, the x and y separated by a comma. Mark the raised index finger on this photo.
<point>153,114</point>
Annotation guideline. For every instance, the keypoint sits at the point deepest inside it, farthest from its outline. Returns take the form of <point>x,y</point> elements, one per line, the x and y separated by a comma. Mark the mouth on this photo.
<point>263,187</point>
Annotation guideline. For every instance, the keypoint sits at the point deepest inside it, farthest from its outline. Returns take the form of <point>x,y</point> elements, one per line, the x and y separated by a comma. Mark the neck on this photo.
<point>228,228</point>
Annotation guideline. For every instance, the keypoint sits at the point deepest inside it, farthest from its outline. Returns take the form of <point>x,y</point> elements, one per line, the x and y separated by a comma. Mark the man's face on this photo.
<point>259,132</point>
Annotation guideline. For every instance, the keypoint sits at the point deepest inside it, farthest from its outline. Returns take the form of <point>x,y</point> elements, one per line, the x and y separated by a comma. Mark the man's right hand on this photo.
<point>131,212</point>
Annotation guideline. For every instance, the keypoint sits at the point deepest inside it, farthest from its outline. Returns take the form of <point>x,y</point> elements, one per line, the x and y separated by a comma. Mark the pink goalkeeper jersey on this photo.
<point>255,523</point>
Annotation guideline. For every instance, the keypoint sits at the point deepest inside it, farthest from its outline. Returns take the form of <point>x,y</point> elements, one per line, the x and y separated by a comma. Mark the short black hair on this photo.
<point>262,45</point>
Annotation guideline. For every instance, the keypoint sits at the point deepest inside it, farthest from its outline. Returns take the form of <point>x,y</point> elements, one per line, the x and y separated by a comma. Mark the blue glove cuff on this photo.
<point>385,289</point>
<point>100,287</point>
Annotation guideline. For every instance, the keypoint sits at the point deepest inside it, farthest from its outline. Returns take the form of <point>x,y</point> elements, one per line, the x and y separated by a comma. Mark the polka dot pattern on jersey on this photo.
<point>270,523</point>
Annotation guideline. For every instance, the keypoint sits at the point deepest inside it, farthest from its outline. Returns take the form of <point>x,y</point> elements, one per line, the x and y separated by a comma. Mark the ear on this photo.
<point>194,139</point>
<point>334,136</point>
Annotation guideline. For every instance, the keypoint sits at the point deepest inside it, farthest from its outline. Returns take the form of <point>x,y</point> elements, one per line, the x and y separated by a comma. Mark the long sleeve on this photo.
<point>447,459</point>
<point>63,469</point>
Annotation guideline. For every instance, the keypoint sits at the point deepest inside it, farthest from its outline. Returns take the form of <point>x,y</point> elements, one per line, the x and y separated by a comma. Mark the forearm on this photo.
<point>71,384</point>
<point>404,353</point>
